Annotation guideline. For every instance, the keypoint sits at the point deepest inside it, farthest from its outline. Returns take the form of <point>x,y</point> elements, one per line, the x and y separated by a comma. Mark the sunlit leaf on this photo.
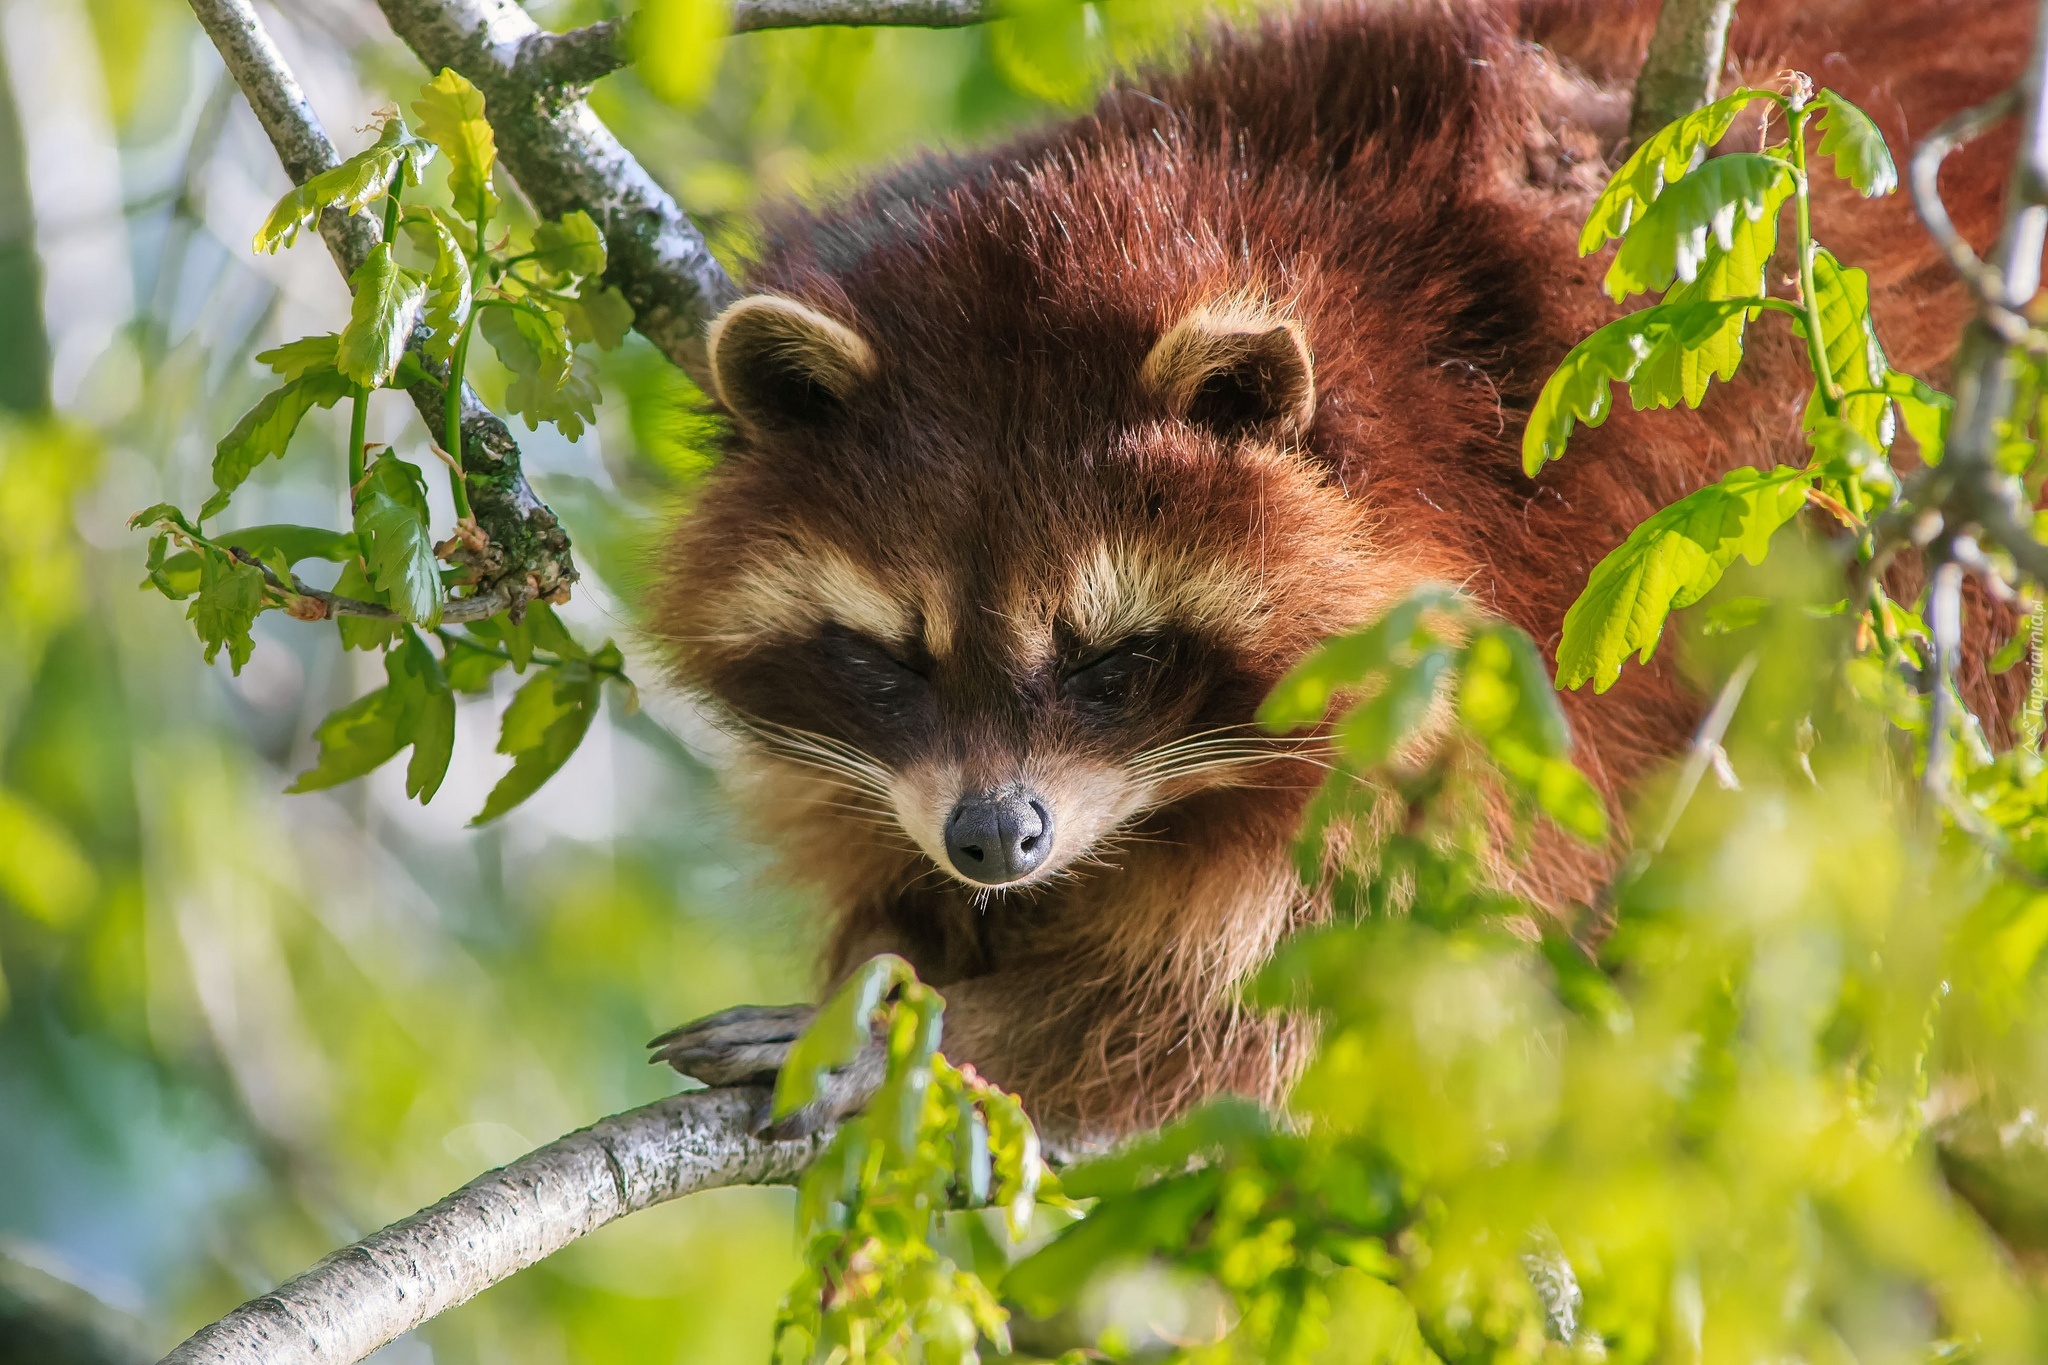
<point>1856,360</point>
<point>1303,695</point>
<point>1369,733</point>
<point>1671,239</point>
<point>1580,390</point>
<point>1666,156</point>
<point>1861,158</point>
<point>1668,563</point>
<point>843,1026</point>
<point>451,115</point>
<point>349,187</point>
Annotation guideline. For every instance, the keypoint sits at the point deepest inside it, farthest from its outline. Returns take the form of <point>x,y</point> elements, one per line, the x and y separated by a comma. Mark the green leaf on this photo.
<point>470,668</point>
<point>1580,389</point>
<point>1674,374</point>
<point>569,248</point>
<point>677,45</point>
<point>428,719</point>
<point>1162,1215</point>
<point>542,727</point>
<point>295,359</point>
<point>294,543</point>
<point>230,598</point>
<point>1852,139</point>
<point>391,520</point>
<point>265,430</point>
<point>533,343</point>
<point>362,632</point>
<point>1303,695</point>
<point>354,740</point>
<point>1370,733</point>
<point>1504,693</point>
<point>1668,563</point>
<point>451,115</point>
<point>448,285</point>
<point>1671,238</point>
<point>596,315</point>
<point>1926,412</point>
<point>381,317</point>
<point>842,1027</point>
<point>1668,154</point>
<point>1856,360</point>
<point>350,187</point>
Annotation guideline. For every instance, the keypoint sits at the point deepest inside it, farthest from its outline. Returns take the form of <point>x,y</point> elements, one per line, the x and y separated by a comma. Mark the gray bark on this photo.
<point>367,1295</point>
<point>1683,68</point>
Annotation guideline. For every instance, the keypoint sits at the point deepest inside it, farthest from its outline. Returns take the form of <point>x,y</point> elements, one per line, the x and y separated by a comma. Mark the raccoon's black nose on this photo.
<point>997,837</point>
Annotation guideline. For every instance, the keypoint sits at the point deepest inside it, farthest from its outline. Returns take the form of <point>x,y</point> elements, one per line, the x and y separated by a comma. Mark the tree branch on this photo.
<point>583,55</point>
<point>1683,67</point>
<point>533,546</point>
<point>369,1294</point>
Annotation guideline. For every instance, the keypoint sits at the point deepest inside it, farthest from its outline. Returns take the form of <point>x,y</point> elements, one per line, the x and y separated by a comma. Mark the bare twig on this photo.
<point>583,55</point>
<point>366,1295</point>
<point>534,547</point>
<point>1945,624</point>
<point>1683,67</point>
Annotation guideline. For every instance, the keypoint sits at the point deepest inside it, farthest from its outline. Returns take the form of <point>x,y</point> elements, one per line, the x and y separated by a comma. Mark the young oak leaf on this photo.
<point>292,543</point>
<point>415,709</point>
<point>1668,155</point>
<point>1303,695</point>
<point>1675,374</point>
<point>837,1033</point>
<point>1506,700</point>
<point>1671,239</point>
<point>542,727</point>
<point>1852,139</point>
<point>296,359</point>
<point>596,315</point>
<point>381,317</point>
<point>569,248</point>
<point>391,522</point>
<point>1668,563</point>
<point>349,187</point>
<point>229,600</point>
<point>1856,359</point>
<point>362,632</point>
<point>1580,389</point>
<point>451,115</point>
<point>266,429</point>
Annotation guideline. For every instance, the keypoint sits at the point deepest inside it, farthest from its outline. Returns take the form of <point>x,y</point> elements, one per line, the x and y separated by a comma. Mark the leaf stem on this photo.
<point>1816,343</point>
<point>449,637</point>
<point>451,442</point>
<point>358,433</point>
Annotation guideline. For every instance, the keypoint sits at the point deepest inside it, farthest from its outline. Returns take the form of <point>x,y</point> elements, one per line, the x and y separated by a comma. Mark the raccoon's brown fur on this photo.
<point>1225,366</point>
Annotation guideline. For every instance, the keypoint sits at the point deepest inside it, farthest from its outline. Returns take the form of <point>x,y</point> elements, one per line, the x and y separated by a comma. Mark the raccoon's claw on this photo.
<point>747,1046</point>
<point>740,1046</point>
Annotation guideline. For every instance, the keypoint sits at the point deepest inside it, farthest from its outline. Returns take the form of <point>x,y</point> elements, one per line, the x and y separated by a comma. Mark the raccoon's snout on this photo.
<point>999,836</point>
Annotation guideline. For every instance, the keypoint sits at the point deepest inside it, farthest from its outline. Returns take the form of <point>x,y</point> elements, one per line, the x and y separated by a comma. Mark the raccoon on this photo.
<point>1045,463</point>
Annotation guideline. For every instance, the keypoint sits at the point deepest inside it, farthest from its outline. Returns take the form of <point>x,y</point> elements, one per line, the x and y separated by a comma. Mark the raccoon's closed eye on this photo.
<point>873,669</point>
<point>1110,678</point>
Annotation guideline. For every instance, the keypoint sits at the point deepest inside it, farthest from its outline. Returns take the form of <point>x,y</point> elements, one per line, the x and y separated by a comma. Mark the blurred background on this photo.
<point>239,1029</point>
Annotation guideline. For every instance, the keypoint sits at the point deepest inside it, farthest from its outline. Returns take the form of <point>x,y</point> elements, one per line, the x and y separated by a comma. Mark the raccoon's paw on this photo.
<point>747,1045</point>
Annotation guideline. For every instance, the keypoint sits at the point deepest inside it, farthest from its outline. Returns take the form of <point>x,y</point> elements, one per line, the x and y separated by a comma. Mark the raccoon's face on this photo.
<point>1002,608</point>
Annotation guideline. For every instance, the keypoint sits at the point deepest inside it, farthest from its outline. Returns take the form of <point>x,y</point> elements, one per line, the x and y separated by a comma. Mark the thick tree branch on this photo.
<point>369,1294</point>
<point>1684,64</point>
<point>584,55</point>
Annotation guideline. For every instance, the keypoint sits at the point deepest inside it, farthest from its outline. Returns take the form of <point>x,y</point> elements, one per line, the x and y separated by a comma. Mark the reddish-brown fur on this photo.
<point>1404,182</point>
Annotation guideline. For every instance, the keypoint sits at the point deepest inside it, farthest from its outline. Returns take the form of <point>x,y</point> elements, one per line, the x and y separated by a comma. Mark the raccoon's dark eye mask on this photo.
<point>1109,680</point>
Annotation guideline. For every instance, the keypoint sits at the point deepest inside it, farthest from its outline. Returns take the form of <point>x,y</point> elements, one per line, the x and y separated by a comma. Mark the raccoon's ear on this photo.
<point>1235,367</point>
<point>777,362</point>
